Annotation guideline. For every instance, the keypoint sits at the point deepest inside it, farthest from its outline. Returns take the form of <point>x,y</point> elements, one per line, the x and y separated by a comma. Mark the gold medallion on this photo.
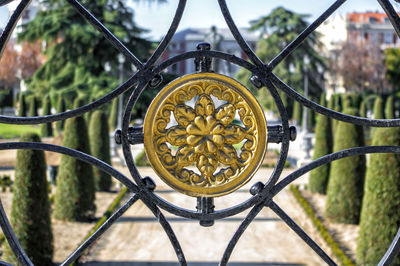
<point>205,135</point>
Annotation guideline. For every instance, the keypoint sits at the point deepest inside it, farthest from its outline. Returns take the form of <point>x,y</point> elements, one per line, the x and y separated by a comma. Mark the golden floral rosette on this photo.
<point>205,135</point>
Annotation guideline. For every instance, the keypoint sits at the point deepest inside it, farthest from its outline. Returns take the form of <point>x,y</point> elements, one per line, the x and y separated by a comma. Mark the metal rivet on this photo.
<point>149,183</point>
<point>293,133</point>
<point>256,81</point>
<point>256,188</point>
<point>118,136</point>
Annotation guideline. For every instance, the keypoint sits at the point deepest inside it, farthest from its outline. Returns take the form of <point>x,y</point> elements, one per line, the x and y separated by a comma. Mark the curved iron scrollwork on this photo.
<point>148,73</point>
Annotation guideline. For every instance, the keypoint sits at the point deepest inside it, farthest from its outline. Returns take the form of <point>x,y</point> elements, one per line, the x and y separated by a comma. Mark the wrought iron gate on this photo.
<point>148,74</point>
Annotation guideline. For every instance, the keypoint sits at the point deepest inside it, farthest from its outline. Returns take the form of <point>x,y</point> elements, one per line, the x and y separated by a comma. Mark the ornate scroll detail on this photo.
<point>206,153</point>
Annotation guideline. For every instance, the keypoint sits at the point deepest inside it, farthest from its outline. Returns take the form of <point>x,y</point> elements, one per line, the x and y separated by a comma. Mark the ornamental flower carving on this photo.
<point>205,136</point>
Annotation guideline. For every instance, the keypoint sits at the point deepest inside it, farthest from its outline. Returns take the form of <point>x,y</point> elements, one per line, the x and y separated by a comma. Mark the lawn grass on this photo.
<point>8,131</point>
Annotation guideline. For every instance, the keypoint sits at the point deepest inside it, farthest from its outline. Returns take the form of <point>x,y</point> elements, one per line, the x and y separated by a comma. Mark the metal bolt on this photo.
<point>203,46</point>
<point>118,136</point>
<point>205,205</point>
<point>293,133</point>
<point>156,80</point>
<point>256,81</point>
<point>256,188</point>
<point>149,183</point>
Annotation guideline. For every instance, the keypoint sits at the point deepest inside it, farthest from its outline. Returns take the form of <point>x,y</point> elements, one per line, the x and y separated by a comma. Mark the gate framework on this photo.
<point>148,75</point>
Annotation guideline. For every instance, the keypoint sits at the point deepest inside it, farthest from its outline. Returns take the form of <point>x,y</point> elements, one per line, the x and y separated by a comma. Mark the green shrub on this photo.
<point>100,147</point>
<point>318,179</point>
<point>87,115</point>
<point>113,120</point>
<point>389,108</point>
<point>75,191</point>
<point>380,216</point>
<point>346,177</point>
<point>378,108</point>
<point>47,128</point>
<point>22,109</point>
<point>60,109</point>
<point>33,107</point>
<point>363,109</point>
<point>337,106</point>
<point>30,210</point>
<point>338,102</point>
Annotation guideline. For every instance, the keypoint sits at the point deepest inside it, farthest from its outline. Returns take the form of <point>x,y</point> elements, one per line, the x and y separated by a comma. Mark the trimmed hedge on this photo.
<point>100,148</point>
<point>335,247</point>
<point>389,108</point>
<point>346,177</point>
<point>380,215</point>
<point>22,108</point>
<point>318,179</point>
<point>30,209</point>
<point>46,128</point>
<point>60,109</point>
<point>75,193</point>
<point>33,107</point>
<point>113,119</point>
<point>378,108</point>
<point>363,109</point>
<point>297,112</point>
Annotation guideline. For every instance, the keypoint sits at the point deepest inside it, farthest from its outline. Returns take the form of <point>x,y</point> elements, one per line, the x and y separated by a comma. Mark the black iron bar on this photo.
<point>239,232</point>
<point>300,232</point>
<point>99,232</point>
<point>12,239</point>
<point>12,22</point>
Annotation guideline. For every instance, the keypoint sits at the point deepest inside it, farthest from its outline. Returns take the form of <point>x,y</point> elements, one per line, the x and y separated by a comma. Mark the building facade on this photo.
<point>220,40</point>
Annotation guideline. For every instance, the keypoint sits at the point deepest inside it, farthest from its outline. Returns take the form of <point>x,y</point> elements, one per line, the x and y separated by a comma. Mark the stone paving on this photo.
<point>138,239</point>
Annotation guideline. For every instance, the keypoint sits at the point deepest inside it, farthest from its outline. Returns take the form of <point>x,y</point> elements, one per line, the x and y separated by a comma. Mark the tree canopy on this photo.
<point>277,30</point>
<point>77,54</point>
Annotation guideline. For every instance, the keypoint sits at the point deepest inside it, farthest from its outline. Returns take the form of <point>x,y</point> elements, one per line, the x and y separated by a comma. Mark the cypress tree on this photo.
<point>22,110</point>
<point>355,100</point>
<point>363,109</point>
<point>347,103</point>
<point>310,119</point>
<point>338,103</point>
<point>100,147</point>
<point>346,178</point>
<point>331,103</point>
<point>318,179</point>
<point>33,107</point>
<point>30,209</point>
<point>380,216</point>
<point>378,114</point>
<point>60,109</point>
<point>79,60</point>
<point>389,108</point>
<point>87,115</point>
<point>378,108</point>
<point>75,192</point>
<point>336,106</point>
<point>47,128</point>
<point>297,112</point>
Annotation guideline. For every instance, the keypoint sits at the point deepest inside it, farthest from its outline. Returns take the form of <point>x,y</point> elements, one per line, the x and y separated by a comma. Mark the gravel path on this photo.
<point>138,239</point>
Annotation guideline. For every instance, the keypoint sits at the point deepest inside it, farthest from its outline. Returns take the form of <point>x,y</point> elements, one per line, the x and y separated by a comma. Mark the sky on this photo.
<point>206,13</point>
